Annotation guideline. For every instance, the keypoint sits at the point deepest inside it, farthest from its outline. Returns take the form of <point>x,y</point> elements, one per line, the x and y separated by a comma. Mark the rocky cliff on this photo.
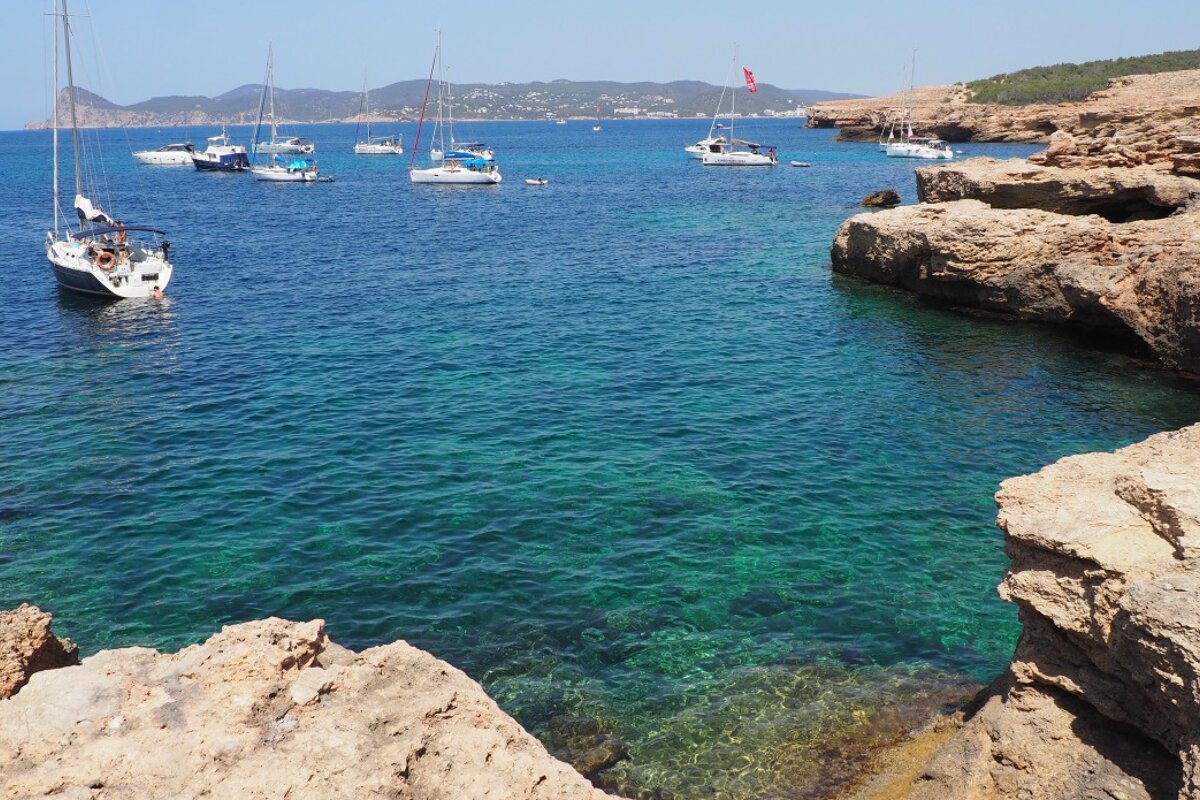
<point>269,709</point>
<point>1145,107</point>
<point>1102,699</point>
<point>1114,249</point>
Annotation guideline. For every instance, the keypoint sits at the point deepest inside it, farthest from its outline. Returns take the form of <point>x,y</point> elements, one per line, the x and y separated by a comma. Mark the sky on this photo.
<point>149,48</point>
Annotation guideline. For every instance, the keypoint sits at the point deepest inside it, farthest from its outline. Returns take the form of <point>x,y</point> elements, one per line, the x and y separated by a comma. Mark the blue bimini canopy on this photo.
<point>459,154</point>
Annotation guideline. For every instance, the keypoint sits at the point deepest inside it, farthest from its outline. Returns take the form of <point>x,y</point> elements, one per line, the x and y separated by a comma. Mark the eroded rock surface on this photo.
<point>269,709</point>
<point>27,646</point>
<point>1032,242</point>
<point>1102,699</point>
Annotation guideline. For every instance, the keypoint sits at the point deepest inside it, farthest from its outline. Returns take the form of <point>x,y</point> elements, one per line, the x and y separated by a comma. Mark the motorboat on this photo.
<point>221,156</point>
<point>278,143</point>
<point>536,181</point>
<point>374,145</point>
<point>97,254</point>
<point>453,165</point>
<point>169,155</point>
<point>800,164</point>
<point>709,144</point>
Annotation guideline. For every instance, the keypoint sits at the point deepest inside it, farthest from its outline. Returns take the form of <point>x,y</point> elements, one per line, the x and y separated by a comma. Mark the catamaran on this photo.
<point>280,144</point>
<point>374,146</point>
<point>736,152</point>
<point>450,166</point>
<point>280,169</point>
<point>104,256</point>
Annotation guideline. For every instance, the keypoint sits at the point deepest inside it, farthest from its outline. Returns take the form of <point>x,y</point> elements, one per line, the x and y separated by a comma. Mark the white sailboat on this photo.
<point>911,146</point>
<point>374,146</point>
<point>450,166</point>
<point>596,128</point>
<point>735,152</point>
<point>293,169</point>
<point>444,125</point>
<point>280,144</point>
<point>104,256</point>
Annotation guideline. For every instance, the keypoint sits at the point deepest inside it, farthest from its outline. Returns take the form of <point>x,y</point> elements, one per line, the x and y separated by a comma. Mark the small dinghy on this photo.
<point>801,164</point>
<point>536,181</point>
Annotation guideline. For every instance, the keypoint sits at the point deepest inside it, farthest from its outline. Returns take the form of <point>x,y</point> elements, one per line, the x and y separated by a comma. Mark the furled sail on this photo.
<point>89,213</point>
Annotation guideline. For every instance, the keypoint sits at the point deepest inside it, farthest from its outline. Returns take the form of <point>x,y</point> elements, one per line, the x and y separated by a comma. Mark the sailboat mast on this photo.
<point>367,106</point>
<point>271,78</point>
<point>412,159</point>
<point>732,95</point>
<point>912,92</point>
<point>54,31</point>
<point>71,98</point>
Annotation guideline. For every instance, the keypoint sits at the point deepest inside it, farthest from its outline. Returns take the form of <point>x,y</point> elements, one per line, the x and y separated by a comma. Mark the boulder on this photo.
<point>884,198</point>
<point>27,646</point>
<point>270,709</point>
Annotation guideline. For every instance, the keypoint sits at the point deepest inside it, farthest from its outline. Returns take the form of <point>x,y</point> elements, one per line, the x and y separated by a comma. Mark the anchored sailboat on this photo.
<point>280,170</point>
<point>453,166</point>
<point>104,256</point>
<point>736,152</point>
<point>374,146</point>
<point>280,144</point>
<point>910,145</point>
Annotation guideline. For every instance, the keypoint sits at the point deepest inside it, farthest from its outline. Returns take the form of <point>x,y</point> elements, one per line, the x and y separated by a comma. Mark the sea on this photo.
<point>621,447</point>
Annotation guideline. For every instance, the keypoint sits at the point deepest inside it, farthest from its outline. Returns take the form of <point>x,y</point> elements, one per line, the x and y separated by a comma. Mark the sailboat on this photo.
<point>381,146</point>
<point>911,146</point>
<point>437,149</point>
<point>104,256</point>
<point>596,128</point>
<point>294,169</point>
<point>280,144</point>
<point>450,166</point>
<point>737,152</point>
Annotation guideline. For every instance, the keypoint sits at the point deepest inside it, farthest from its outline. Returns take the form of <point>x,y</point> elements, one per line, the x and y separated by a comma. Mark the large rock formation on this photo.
<point>1117,249</point>
<point>1137,119</point>
<point>269,709</point>
<point>1102,699</point>
<point>27,646</point>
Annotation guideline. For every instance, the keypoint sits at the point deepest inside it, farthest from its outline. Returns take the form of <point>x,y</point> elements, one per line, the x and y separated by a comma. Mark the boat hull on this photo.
<point>284,175</point>
<point>286,149</point>
<point>73,270</point>
<point>180,159</point>
<point>230,162</point>
<point>456,176</point>
<point>737,159</point>
<point>364,149</point>
<point>919,151</point>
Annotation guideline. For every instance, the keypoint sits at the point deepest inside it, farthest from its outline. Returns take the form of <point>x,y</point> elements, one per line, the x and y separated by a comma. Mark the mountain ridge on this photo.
<point>401,100</point>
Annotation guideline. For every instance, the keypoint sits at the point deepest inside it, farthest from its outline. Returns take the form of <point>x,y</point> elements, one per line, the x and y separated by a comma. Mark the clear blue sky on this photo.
<point>207,47</point>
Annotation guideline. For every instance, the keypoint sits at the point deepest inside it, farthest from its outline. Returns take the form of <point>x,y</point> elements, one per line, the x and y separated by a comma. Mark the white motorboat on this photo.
<point>709,144</point>
<point>560,121</point>
<point>731,151</point>
<point>104,256</point>
<point>169,155</point>
<point>451,166</point>
<point>279,144</point>
<point>374,146</point>
<point>800,164</point>
<point>536,181</point>
<point>221,156</point>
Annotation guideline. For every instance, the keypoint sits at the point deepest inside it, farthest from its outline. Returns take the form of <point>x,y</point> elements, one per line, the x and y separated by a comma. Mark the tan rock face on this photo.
<point>1103,695</point>
<point>27,646</point>
<point>270,709</point>
<point>1136,120</point>
<point>1138,279</point>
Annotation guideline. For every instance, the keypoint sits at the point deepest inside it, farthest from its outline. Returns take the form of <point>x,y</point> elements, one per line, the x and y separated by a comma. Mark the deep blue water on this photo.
<point>618,446</point>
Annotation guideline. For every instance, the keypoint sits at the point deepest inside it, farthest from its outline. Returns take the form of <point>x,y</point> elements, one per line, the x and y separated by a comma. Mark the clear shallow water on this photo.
<point>619,446</point>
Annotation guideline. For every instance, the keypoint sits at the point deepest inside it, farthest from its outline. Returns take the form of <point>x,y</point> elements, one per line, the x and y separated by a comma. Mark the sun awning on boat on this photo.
<point>94,232</point>
<point>745,143</point>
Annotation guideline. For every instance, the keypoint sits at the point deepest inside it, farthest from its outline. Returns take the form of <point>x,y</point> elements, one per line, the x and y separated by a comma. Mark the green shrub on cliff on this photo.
<point>1065,82</point>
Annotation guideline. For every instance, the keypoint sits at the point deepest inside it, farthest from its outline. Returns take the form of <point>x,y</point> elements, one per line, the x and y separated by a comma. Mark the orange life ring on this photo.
<point>105,260</point>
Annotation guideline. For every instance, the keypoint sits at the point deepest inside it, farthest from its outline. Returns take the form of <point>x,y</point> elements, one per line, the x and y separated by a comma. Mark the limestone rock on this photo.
<point>1136,277</point>
<point>884,198</point>
<point>269,709</point>
<point>27,646</point>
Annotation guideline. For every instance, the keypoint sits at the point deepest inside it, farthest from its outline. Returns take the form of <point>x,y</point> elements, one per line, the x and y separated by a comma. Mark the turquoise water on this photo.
<point>619,446</point>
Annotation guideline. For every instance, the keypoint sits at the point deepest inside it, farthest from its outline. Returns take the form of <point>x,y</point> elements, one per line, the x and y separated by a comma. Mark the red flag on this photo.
<point>750,84</point>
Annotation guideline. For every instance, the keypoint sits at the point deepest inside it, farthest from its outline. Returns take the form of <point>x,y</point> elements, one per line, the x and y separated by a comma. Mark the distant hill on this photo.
<point>402,100</point>
<point>1071,82</point>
